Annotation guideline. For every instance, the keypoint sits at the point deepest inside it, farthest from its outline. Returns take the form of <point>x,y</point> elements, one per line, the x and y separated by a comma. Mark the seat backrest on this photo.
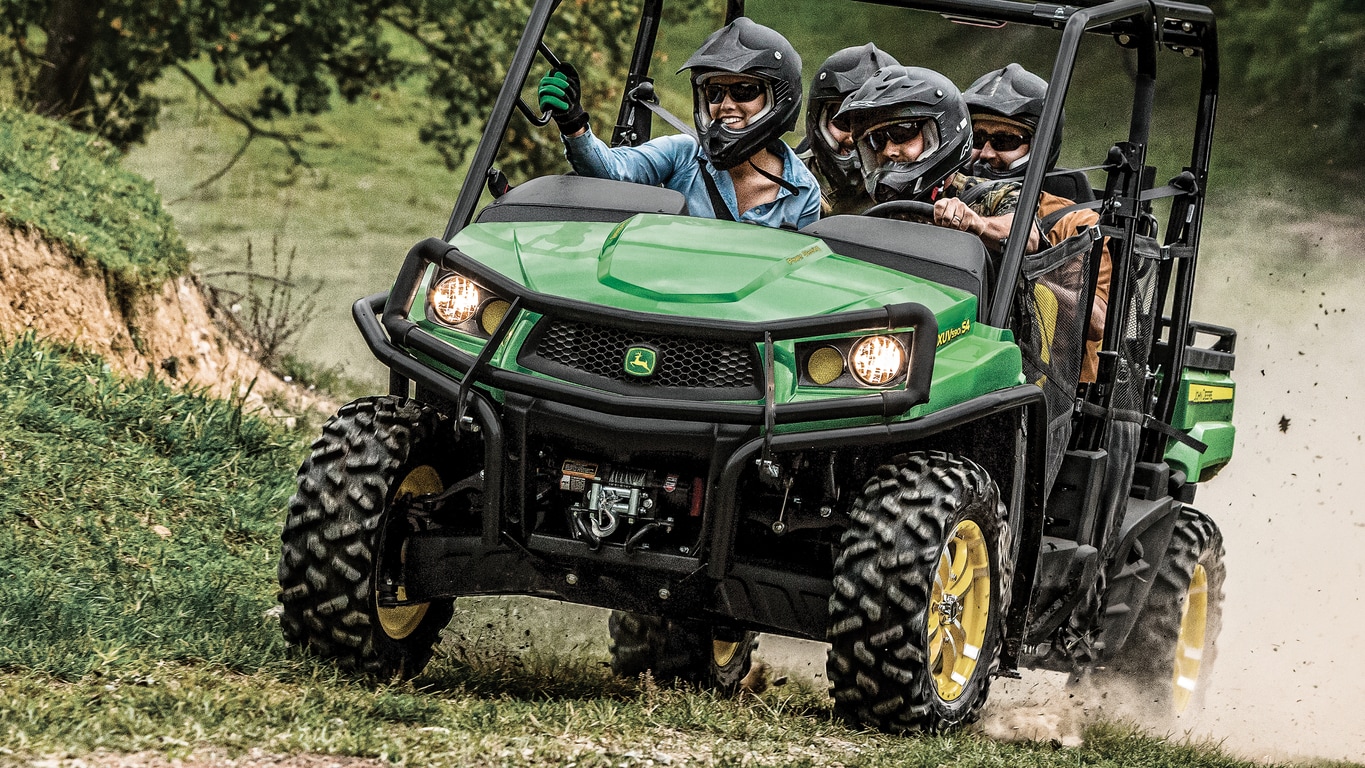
<point>1073,185</point>
<point>579,198</point>
<point>945,256</point>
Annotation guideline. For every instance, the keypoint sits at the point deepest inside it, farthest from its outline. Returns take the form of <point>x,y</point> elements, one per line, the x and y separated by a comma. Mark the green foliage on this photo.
<point>1300,62</point>
<point>308,51</point>
<point>70,187</point>
<point>309,47</point>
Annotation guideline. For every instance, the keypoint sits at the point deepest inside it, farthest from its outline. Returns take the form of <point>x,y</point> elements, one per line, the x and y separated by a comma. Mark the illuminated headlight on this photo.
<point>455,299</point>
<point>877,360</point>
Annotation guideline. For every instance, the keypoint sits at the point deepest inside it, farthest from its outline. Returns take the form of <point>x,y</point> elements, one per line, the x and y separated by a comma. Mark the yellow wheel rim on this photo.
<point>1189,647</point>
<point>959,609</point>
<point>403,620</point>
<point>722,653</point>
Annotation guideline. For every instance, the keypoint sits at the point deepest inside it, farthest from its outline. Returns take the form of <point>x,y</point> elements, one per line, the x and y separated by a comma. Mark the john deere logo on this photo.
<point>641,360</point>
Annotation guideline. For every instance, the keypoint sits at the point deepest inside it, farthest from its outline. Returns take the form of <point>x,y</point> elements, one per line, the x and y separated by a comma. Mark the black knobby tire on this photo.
<point>904,655</point>
<point>1170,652</point>
<point>677,651</point>
<point>368,452</point>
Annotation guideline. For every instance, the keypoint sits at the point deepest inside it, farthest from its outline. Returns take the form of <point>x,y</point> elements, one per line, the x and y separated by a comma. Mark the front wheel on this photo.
<point>678,651</point>
<point>1169,654</point>
<point>373,453</point>
<point>920,588</point>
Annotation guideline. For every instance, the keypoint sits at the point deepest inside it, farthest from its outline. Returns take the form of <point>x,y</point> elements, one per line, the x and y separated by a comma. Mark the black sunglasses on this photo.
<point>897,133</point>
<point>740,93</point>
<point>1002,142</point>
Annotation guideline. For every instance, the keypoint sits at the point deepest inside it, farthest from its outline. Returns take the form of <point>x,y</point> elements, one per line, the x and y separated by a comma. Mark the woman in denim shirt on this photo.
<point>746,85</point>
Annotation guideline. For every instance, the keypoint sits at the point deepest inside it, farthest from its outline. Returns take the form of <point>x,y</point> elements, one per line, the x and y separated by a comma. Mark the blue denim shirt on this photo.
<point>675,162</point>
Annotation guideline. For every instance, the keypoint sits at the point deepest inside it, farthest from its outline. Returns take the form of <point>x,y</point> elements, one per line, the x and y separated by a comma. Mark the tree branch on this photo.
<point>253,129</point>
<point>221,172</point>
<point>407,27</point>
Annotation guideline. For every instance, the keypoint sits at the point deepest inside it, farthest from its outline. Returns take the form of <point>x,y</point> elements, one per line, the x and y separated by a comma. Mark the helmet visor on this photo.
<point>873,143</point>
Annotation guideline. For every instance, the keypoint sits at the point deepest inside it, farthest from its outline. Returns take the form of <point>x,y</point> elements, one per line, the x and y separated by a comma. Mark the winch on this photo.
<point>626,503</point>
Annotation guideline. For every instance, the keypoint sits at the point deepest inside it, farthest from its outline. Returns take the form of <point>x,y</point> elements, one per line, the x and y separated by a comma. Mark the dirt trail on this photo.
<point>1292,503</point>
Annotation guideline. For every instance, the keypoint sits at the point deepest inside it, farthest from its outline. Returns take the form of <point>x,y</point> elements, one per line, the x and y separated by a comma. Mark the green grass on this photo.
<point>142,520</point>
<point>136,575</point>
<point>73,189</point>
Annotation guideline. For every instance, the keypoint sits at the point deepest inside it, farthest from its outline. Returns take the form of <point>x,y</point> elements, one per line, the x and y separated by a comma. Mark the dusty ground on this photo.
<point>179,335</point>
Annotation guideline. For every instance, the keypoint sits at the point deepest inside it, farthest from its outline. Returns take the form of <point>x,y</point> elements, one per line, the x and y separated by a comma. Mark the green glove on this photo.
<point>561,98</point>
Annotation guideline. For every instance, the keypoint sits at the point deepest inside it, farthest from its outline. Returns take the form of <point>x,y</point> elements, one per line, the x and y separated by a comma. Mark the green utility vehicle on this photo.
<point>869,432</point>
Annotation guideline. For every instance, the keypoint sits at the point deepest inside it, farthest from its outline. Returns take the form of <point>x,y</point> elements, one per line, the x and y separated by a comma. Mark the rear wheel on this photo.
<point>920,589</point>
<point>1171,650</point>
<point>678,651</point>
<point>374,452</point>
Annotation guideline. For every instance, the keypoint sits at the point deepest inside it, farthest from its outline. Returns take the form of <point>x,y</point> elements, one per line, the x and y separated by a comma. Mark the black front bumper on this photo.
<point>707,583</point>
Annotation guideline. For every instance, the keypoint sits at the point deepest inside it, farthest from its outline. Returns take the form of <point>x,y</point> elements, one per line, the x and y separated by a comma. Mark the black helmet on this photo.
<point>1016,95</point>
<point>840,75</point>
<point>901,94</point>
<point>743,47</point>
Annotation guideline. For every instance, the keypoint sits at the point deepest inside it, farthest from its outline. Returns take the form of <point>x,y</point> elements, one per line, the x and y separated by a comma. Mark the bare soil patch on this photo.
<point>175,333</point>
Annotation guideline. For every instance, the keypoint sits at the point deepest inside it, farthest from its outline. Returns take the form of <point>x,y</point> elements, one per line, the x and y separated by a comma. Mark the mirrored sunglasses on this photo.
<point>1002,142</point>
<point>896,133</point>
<point>740,93</point>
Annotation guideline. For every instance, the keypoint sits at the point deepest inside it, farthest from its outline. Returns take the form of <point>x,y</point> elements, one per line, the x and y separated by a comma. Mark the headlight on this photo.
<point>877,360</point>
<point>825,365</point>
<point>455,299</point>
<point>492,314</point>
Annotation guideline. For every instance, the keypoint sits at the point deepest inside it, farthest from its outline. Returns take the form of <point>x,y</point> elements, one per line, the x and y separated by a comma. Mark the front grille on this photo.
<point>683,363</point>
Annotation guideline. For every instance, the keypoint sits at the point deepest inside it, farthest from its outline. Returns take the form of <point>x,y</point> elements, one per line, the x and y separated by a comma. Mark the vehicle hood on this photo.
<point>686,266</point>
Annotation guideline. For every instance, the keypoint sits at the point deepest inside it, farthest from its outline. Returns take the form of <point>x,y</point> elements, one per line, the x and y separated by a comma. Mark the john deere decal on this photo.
<point>640,360</point>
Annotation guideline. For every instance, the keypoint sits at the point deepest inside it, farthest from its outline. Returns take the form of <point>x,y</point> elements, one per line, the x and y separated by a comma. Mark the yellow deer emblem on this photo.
<point>640,361</point>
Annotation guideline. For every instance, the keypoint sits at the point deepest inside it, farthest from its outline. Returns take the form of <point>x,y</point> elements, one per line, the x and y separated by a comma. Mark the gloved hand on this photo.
<point>561,97</point>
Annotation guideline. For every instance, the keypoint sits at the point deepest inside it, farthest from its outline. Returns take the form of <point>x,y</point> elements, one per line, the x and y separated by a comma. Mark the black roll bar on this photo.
<point>1079,22</point>
<point>472,188</point>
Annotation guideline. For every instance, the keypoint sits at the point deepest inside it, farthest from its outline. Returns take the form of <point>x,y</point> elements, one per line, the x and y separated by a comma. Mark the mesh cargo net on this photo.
<point>1054,310</point>
<point>1079,635</point>
<point>1126,403</point>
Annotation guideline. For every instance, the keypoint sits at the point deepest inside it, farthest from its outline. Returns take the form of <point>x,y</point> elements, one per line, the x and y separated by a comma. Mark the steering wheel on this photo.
<point>891,208</point>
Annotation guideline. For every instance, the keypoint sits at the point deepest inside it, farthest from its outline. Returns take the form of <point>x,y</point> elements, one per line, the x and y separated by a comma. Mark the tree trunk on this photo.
<point>63,87</point>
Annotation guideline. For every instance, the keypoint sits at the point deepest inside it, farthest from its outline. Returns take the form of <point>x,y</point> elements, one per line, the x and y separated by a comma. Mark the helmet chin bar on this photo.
<point>727,148</point>
<point>1015,169</point>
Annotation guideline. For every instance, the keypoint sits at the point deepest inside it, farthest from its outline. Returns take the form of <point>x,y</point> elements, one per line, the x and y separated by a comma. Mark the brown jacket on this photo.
<point>1072,224</point>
